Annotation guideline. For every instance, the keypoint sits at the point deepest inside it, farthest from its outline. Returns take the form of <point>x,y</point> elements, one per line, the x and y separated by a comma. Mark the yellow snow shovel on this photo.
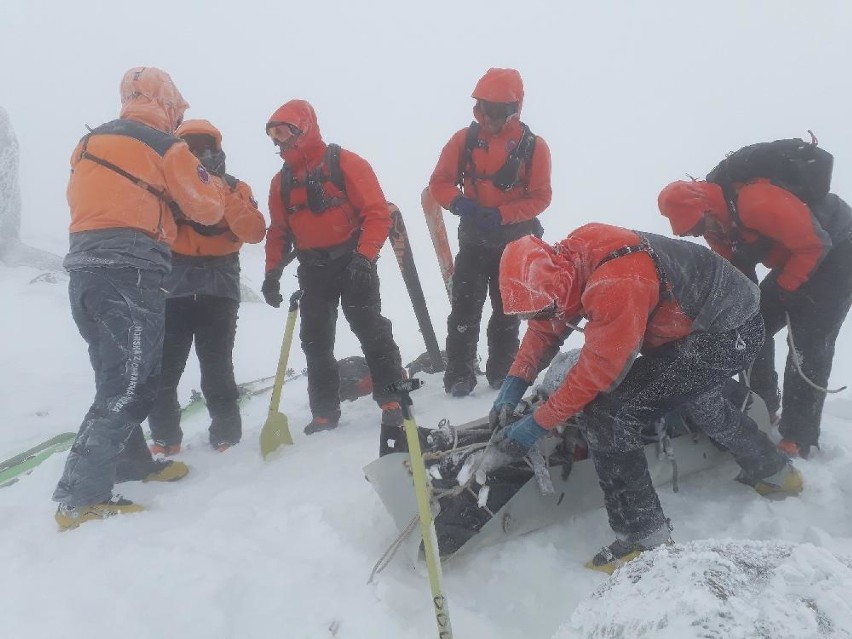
<point>276,430</point>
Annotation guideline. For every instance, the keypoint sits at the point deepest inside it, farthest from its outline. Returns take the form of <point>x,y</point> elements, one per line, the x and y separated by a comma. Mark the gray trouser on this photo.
<point>120,312</point>
<point>688,374</point>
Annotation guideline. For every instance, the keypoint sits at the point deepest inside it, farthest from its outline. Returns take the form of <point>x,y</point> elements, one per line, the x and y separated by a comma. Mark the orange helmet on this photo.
<point>684,203</point>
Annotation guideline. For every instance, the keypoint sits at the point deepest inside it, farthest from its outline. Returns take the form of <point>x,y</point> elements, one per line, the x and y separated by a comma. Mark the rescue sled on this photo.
<point>516,501</point>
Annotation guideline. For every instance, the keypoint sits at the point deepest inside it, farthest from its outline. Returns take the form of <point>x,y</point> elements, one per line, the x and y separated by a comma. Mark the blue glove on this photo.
<point>510,394</point>
<point>525,432</point>
<point>463,206</point>
<point>488,219</point>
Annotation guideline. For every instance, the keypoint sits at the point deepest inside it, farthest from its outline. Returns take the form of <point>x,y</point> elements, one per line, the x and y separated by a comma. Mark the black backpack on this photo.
<point>507,176</point>
<point>800,167</point>
<point>318,201</point>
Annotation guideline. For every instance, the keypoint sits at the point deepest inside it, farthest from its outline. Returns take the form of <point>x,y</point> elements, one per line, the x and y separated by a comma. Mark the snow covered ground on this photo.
<point>629,96</point>
<point>247,549</point>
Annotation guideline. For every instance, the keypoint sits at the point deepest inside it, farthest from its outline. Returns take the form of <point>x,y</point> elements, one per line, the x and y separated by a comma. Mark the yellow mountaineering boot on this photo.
<point>786,482</point>
<point>622,551</point>
<point>69,518</point>
<point>168,470</point>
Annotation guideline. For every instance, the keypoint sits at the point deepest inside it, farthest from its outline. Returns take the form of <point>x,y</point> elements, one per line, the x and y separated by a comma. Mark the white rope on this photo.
<point>386,557</point>
<point>797,361</point>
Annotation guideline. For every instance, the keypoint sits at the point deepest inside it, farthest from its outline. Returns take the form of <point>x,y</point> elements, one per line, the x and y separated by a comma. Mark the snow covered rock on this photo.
<point>721,590</point>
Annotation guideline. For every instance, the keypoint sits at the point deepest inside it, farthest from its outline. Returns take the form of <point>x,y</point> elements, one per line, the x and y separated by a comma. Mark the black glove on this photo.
<point>271,290</point>
<point>359,272</point>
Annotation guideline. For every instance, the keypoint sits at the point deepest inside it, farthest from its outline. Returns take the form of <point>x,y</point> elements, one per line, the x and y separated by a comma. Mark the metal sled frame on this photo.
<point>528,509</point>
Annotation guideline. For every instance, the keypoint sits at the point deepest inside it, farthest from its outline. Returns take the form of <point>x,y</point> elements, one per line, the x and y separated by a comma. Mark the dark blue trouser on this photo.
<point>120,314</point>
<point>688,374</point>
<point>816,316</point>
<point>324,286</point>
<point>477,276</point>
<point>212,322</point>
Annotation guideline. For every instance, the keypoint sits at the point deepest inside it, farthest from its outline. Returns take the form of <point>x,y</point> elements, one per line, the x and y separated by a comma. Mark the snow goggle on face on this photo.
<point>497,110</point>
<point>282,133</point>
<point>549,312</point>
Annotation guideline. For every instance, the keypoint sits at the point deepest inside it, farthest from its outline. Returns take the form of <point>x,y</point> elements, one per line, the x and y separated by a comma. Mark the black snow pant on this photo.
<point>477,274</point>
<point>325,285</point>
<point>212,322</point>
<point>816,315</point>
<point>688,374</point>
<point>120,314</point>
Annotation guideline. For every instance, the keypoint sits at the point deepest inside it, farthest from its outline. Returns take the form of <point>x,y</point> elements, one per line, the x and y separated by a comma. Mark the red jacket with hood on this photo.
<point>775,226</point>
<point>363,208</point>
<point>531,194</point>
<point>621,298</point>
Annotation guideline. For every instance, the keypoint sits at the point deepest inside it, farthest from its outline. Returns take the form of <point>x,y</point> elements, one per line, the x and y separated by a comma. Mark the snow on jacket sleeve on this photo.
<point>365,194</point>
<point>541,342</point>
<point>241,214</point>
<point>278,238</point>
<point>442,184</point>
<point>779,215</point>
<point>538,193</point>
<point>617,308</point>
<point>190,185</point>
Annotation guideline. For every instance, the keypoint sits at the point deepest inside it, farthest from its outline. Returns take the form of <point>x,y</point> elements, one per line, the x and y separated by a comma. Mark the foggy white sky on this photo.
<point>629,95</point>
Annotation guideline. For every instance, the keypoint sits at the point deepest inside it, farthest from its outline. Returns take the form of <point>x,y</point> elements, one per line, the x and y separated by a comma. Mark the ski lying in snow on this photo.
<point>11,469</point>
<point>398,237</point>
<point>438,231</point>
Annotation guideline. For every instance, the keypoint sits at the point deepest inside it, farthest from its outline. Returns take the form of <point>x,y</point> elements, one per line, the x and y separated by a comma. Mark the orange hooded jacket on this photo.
<point>622,300</point>
<point>795,241</point>
<point>531,194</point>
<point>242,221</point>
<point>101,198</point>
<point>361,210</point>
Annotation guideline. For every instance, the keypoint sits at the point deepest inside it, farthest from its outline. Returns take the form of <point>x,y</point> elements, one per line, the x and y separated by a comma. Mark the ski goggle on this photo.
<point>497,110</point>
<point>282,132</point>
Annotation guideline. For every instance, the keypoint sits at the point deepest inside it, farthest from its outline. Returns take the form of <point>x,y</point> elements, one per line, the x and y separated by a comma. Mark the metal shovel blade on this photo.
<point>275,433</point>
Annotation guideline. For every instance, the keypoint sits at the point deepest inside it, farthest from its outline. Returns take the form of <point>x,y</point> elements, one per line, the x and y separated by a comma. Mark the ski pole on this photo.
<point>421,490</point>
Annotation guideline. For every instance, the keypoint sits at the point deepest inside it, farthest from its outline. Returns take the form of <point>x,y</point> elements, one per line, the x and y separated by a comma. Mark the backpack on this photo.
<point>800,167</point>
<point>317,199</point>
<point>507,176</point>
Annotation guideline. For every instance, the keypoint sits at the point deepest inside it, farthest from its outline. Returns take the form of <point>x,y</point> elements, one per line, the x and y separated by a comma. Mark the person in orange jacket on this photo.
<point>131,178</point>
<point>203,300</point>
<point>658,336</point>
<point>328,210</point>
<point>808,250</point>
<point>494,175</point>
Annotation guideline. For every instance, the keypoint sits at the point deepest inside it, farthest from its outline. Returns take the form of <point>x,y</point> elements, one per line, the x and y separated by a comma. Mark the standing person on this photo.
<point>693,317</point>
<point>495,175</point>
<point>203,300</point>
<point>809,251</point>
<point>126,176</point>
<point>327,206</point>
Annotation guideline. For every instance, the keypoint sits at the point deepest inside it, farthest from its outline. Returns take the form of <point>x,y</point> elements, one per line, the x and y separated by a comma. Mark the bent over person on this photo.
<point>327,206</point>
<point>495,175</point>
<point>203,300</point>
<point>809,251</point>
<point>128,177</point>
<point>669,322</point>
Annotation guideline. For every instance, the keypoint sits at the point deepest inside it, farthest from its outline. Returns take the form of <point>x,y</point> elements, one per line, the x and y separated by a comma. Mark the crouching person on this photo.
<point>124,176</point>
<point>693,318</point>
